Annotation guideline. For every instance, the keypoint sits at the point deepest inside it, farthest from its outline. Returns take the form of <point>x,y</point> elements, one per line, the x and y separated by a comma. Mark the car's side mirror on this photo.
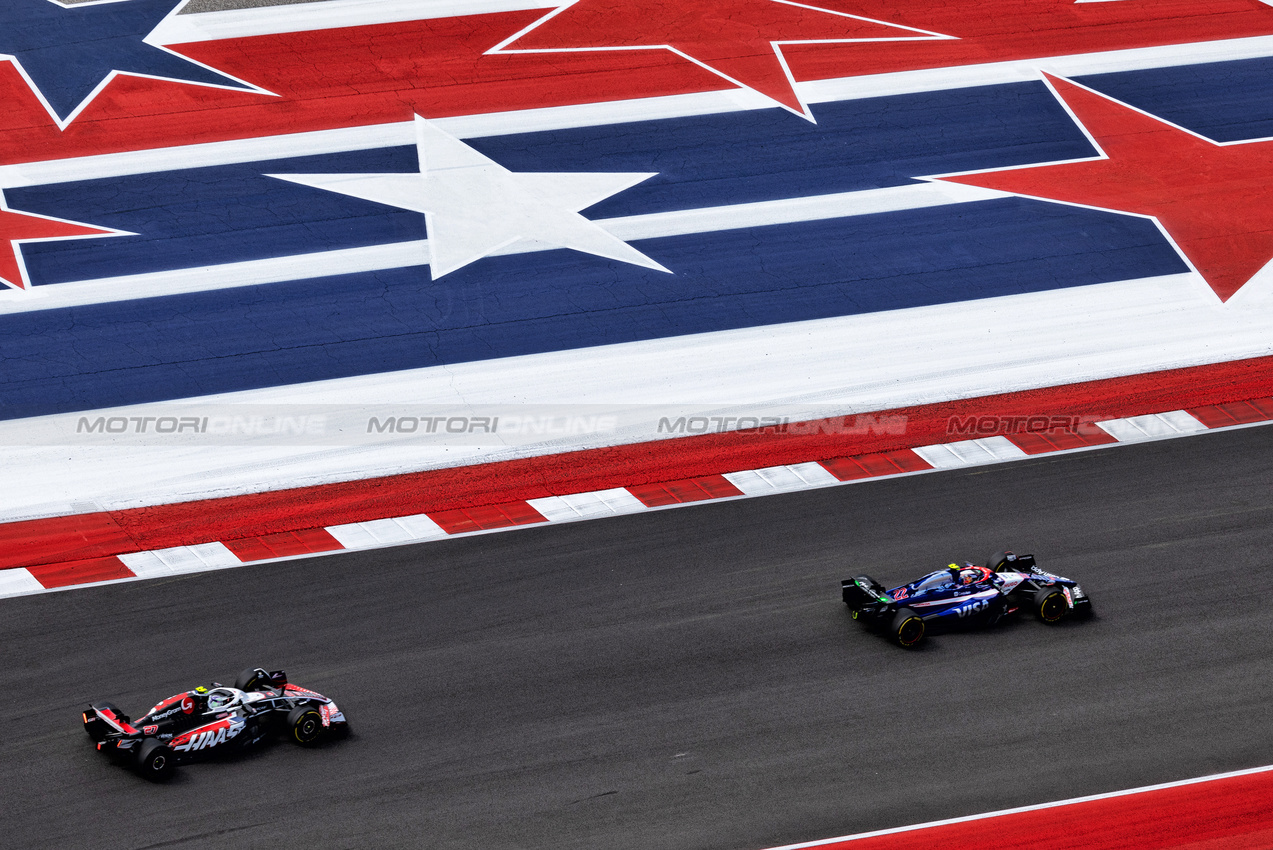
<point>278,677</point>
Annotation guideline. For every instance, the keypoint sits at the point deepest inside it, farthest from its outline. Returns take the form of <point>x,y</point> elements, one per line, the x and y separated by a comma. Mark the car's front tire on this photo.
<point>907,628</point>
<point>1051,605</point>
<point>305,725</point>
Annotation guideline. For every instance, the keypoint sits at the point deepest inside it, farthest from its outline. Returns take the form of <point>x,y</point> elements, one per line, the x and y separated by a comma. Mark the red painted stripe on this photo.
<point>486,517</point>
<point>635,465</point>
<point>1041,442</point>
<point>80,572</point>
<point>358,76</point>
<point>1234,413</point>
<point>1222,814</point>
<point>65,538</point>
<point>285,544</point>
<point>874,465</point>
<point>687,490</point>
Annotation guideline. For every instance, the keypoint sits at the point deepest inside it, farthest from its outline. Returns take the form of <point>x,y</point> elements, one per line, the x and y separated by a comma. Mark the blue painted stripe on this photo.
<point>181,346</point>
<point>209,216</point>
<point>1224,101</point>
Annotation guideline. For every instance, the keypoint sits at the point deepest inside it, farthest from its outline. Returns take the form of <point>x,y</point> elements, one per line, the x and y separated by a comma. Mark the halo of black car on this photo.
<point>213,720</point>
<point>968,596</point>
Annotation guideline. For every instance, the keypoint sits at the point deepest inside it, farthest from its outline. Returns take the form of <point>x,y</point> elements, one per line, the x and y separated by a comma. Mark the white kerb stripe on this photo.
<point>598,503</point>
<point>777,479</point>
<point>1152,426</point>
<point>180,559</point>
<point>386,532</point>
<point>17,582</point>
<point>970,452</point>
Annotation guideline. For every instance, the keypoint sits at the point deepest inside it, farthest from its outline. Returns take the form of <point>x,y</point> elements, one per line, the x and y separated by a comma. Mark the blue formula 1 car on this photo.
<point>967,596</point>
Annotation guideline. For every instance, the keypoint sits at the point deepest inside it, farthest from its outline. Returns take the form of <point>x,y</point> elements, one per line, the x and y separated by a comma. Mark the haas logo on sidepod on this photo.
<point>212,736</point>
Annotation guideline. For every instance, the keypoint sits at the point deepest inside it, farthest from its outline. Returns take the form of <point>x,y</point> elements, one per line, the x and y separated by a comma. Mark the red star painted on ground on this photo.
<point>740,40</point>
<point>18,227</point>
<point>1215,201</point>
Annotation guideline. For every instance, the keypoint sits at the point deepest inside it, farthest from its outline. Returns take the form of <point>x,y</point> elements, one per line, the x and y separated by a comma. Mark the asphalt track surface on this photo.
<point>683,678</point>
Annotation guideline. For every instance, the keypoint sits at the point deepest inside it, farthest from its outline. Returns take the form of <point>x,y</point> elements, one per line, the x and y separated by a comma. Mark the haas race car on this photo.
<point>213,720</point>
<point>966,596</point>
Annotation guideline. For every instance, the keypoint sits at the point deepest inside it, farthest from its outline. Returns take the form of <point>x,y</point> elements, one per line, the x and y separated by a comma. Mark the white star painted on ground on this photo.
<point>473,206</point>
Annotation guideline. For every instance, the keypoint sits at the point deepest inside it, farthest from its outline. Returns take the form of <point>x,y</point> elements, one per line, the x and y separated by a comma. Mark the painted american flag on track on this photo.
<point>714,207</point>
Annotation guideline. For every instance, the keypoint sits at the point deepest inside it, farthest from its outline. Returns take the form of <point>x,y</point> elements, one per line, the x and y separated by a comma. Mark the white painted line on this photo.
<point>386,532</point>
<point>970,452</point>
<point>180,559</point>
<point>1022,809</point>
<point>418,253</point>
<point>598,503</point>
<point>779,479</point>
<point>1153,426</point>
<point>18,582</point>
<point>331,14</point>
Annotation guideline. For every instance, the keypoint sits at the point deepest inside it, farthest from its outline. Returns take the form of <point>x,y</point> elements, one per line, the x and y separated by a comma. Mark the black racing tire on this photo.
<point>996,561</point>
<point>1050,604</point>
<point>305,725</point>
<point>156,761</point>
<point>248,679</point>
<point>907,628</point>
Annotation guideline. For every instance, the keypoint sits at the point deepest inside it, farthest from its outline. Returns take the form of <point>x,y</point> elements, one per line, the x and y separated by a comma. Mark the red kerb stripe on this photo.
<point>686,490</point>
<point>874,465</point>
<point>285,544</point>
<point>1224,813</point>
<point>486,517</point>
<point>1234,413</point>
<point>80,572</point>
<point>1041,442</point>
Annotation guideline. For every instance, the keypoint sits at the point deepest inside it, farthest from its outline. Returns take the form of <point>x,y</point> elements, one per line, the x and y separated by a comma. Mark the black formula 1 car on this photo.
<point>966,596</point>
<point>213,720</point>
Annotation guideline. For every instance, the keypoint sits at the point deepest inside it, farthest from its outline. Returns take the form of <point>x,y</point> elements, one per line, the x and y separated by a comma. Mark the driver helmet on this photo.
<point>969,575</point>
<point>221,699</point>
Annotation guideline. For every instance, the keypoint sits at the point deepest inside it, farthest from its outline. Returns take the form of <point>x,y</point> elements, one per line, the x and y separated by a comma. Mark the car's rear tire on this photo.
<point>305,725</point>
<point>1051,605</point>
<point>907,628</point>
<point>996,561</point>
<point>156,761</point>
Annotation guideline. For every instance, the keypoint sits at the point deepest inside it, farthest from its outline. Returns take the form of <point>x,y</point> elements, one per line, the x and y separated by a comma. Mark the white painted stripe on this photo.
<point>591,505</point>
<point>1073,801</point>
<point>970,452</point>
<point>180,559</point>
<point>778,479</point>
<point>1152,427</point>
<point>18,582</point>
<point>208,154</point>
<point>849,364</point>
<point>331,14</point>
<point>417,253</point>
<point>208,278</point>
<point>386,532</point>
